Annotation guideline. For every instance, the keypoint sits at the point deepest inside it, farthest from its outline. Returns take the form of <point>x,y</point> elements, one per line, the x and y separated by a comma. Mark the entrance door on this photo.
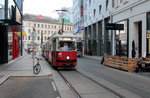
<point>140,39</point>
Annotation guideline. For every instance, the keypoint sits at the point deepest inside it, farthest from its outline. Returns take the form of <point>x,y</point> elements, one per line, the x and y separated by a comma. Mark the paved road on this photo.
<point>85,87</point>
<point>137,84</point>
<point>29,87</point>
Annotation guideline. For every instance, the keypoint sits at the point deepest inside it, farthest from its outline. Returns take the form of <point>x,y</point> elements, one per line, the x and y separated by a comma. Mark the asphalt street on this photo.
<point>133,82</point>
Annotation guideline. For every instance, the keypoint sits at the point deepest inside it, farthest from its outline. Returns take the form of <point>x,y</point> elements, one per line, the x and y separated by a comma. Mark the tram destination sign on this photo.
<point>112,26</point>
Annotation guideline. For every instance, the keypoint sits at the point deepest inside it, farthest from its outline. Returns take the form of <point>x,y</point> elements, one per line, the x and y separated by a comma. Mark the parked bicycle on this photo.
<point>37,66</point>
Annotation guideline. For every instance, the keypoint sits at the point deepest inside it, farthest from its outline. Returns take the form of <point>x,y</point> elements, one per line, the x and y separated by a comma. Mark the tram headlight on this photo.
<point>67,57</point>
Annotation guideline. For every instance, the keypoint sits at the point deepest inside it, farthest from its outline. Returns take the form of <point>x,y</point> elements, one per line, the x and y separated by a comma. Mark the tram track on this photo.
<point>101,85</point>
<point>70,86</point>
<point>107,88</point>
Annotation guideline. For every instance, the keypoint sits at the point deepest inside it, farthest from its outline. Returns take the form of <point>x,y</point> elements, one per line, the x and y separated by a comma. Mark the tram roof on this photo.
<point>63,35</point>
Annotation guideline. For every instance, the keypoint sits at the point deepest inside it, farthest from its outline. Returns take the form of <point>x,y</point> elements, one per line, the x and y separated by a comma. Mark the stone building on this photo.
<point>39,28</point>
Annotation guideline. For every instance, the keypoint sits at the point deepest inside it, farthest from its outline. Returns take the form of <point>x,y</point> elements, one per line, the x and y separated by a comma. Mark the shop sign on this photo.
<point>112,26</point>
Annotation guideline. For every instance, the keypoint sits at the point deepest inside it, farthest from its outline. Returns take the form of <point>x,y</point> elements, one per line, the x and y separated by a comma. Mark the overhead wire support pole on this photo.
<point>62,30</point>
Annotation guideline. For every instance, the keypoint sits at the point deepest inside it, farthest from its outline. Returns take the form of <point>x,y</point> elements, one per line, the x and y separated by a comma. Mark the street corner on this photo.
<point>3,78</point>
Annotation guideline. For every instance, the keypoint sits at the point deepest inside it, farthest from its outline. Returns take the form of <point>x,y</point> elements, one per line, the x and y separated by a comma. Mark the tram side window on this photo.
<point>66,46</point>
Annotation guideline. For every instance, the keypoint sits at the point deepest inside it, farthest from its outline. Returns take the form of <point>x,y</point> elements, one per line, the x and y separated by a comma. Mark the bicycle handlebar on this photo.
<point>38,58</point>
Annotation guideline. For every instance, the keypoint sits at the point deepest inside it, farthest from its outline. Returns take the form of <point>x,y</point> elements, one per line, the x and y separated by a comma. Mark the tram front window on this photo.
<point>66,46</point>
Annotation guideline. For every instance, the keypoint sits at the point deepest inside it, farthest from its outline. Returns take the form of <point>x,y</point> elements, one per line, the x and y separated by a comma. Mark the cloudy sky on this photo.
<point>45,7</point>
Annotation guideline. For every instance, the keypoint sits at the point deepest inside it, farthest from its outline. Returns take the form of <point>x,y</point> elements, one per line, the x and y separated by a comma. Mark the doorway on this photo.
<point>139,24</point>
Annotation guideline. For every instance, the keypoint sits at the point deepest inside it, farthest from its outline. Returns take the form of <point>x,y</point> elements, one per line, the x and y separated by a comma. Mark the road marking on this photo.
<point>57,97</point>
<point>54,86</point>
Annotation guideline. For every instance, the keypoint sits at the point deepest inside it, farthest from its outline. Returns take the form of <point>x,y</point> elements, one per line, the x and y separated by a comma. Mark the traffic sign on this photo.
<point>67,20</point>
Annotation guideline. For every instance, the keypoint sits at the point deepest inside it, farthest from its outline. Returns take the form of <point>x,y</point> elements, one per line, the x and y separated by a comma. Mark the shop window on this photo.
<point>121,40</point>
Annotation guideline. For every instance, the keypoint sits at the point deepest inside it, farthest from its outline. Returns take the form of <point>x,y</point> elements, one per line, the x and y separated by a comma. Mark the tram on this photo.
<point>61,50</point>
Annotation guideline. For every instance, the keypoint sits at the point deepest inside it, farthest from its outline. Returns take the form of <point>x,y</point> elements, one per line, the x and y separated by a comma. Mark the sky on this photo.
<point>45,7</point>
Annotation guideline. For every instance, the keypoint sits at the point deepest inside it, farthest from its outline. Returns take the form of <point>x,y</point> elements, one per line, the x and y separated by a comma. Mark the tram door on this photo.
<point>54,52</point>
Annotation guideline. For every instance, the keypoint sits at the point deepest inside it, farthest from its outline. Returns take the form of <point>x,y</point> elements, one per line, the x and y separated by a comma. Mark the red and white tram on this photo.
<point>61,50</point>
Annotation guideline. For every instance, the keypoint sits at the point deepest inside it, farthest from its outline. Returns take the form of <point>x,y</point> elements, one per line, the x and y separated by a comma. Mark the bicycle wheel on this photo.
<point>36,69</point>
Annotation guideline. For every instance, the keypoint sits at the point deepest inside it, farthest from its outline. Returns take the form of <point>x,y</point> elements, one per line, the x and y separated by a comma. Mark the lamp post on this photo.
<point>62,29</point>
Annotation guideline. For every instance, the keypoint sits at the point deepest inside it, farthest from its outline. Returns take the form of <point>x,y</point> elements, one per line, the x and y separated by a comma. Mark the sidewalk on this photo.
<point>22,66</point>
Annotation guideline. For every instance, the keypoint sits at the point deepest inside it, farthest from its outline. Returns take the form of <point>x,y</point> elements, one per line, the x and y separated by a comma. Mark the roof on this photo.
<point>36,18</point>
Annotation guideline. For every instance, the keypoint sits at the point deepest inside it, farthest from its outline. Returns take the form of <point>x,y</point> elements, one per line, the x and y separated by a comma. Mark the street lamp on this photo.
<point>62,29</point>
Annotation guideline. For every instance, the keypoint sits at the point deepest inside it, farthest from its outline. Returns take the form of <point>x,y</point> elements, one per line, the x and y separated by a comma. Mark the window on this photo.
<point>42,25</point>
<point>85,17</point>
<point>38,25</point>
<point>85,6</point>
<point>66,45</point>
<point>29,24</point>
<point>113,3</point>
<point>121,40</point>
<point>94,12</point>
<point>107,4</point>
<point>90,16</point>
<point>28,30</point>
<point>100,7</point>
<point>45,26</point>
<point>121,1</point>
<point>38,38</point>
<point>89,2</point>
<point>34,25</point>
<point>28,37</point>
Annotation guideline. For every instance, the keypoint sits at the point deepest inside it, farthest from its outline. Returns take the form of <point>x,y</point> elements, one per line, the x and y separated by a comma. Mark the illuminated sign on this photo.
<point>112,26</point>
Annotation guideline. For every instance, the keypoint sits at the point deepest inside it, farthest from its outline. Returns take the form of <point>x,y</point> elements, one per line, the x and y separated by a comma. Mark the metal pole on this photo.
<point>63,25</point>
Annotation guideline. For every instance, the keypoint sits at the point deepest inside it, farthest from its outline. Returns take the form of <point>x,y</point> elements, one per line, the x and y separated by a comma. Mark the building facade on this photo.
<point>10,24</point>
<point>78,20</point>
<point>39,28</point>
<point>132,41</point>
<point>135,15</point>
<point>98,40</point>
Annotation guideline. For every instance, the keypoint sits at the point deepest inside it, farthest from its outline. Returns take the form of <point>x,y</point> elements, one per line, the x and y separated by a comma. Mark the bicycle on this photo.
<point>37,67</point>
